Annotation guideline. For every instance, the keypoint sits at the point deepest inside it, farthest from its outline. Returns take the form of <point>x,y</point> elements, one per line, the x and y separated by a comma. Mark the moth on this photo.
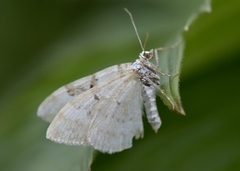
<point>104,110</point>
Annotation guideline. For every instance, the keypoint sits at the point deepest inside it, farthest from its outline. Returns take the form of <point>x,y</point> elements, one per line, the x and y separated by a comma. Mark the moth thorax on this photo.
<point>147,55</point>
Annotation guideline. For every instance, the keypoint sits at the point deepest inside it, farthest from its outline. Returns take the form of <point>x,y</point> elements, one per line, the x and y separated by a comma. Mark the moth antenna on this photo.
<point>145,42</point>
<point>135,28</point>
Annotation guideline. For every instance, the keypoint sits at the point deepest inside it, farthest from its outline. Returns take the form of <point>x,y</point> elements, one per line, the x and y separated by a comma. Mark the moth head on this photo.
<point>146,55</point>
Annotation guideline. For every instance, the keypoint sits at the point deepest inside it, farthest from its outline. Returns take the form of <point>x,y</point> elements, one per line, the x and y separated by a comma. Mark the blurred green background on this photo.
<point>46,44</point>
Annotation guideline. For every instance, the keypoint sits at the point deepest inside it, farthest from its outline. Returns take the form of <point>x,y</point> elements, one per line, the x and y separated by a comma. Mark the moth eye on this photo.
<point>147,55</point>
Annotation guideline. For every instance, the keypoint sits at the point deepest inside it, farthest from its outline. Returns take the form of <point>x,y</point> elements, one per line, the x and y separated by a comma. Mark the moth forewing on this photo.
<point>108,122</point>
<point>123,119</point>
<point>50,107</point>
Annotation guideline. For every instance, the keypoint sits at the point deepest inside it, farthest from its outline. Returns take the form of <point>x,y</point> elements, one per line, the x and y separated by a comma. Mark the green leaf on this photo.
<point>170,66</point>
<point>170,60</point>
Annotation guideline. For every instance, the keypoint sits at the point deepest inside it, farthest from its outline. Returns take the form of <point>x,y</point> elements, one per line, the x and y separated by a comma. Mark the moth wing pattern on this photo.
<point>50,107</point>
<point>106,117</point>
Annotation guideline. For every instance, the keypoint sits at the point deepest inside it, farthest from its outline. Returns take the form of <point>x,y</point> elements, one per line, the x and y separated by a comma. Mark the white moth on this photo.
<point>104,110</point>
